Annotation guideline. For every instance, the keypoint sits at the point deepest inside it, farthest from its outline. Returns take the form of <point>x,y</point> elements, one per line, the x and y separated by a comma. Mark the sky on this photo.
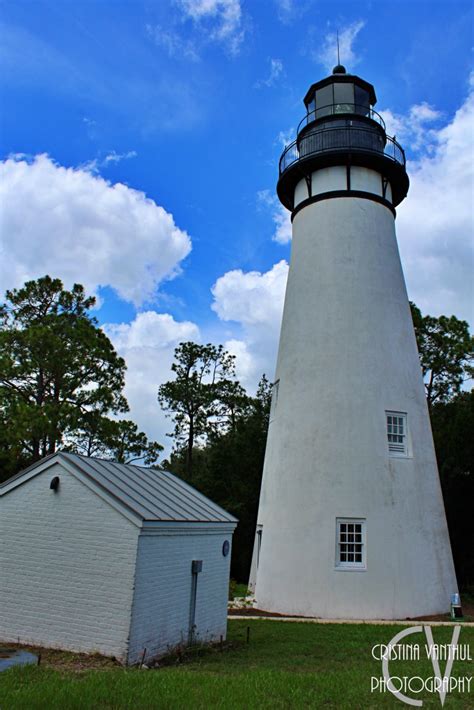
<point>139,149</point>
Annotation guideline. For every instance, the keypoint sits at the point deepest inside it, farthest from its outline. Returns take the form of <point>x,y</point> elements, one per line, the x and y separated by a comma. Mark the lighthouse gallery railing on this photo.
<point>341,139</point>
<point>340,110</point>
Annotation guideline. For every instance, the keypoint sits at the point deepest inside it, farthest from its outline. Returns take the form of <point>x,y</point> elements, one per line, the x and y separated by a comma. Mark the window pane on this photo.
<point>350,548</point>
<point>396,433</point>
<point>361,99</point>
<point>324,101</point>
<point>344,93</point>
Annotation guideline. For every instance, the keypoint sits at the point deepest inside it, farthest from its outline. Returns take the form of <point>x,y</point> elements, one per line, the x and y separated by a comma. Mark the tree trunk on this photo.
<point>35,445</point>
<point>189,453</point>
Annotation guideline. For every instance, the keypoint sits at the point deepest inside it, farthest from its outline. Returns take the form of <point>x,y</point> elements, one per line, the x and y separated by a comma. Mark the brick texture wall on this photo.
<point>161,606</point>
<point>67,563</point>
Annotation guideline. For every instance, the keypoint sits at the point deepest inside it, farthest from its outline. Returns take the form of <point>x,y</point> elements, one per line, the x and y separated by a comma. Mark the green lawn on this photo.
<point>285,665</point>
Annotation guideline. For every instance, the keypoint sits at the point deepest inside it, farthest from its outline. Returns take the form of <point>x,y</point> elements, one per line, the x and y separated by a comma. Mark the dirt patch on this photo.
<point>67,660</point>
<point>260,612</point>
<point>467,608</point>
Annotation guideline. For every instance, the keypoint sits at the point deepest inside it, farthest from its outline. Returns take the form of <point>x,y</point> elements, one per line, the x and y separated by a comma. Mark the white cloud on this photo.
<point>147,344</point>
<point>286,9</point>
<point>220,19</point>
<point>286,137</point>
<point>255,301</point>
<point>435,223</point>
<point>94,166</point>
<point>280,215</point>
<point>347,36</point>
<point>75,225</point>
<point>252,298</point>
<point>276,68</point>
<point>413,129</point>
<point>173,43</point>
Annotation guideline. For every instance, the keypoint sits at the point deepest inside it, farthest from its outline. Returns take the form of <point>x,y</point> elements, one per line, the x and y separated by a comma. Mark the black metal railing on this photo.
<point>339,140</point>
<point>340,110</point>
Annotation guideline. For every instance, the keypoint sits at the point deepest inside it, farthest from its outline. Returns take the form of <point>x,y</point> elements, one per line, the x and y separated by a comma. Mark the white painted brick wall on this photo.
<point>161,606</point>
<point>67,563</point>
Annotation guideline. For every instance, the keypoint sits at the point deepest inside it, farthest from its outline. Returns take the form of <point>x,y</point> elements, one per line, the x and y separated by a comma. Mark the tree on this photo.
<point>58,371</point>
<point>446,352</point>
<point>117,440</point>
<point>453,427</point>
<point>201,395</point>
<point>229,468</point>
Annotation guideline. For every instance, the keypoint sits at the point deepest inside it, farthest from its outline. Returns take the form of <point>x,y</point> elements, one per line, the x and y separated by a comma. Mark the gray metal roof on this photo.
<point>152,495</point>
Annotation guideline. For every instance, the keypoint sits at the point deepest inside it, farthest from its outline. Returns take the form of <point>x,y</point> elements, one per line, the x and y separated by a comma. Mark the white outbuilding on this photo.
<point>112,558</point>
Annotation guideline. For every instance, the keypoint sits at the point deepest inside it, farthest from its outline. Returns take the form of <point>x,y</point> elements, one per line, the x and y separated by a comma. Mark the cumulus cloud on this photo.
<point>414,129</point>
<point>276,68</point>
<point>220,19</point>
<point>254,300</point>
<point>280,215</point>
<point>70,223</point>
<point>435,222</point>
<point>147,344</point>
<point>327,56</point>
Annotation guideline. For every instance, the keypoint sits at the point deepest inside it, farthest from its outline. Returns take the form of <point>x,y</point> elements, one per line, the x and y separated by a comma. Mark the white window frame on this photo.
<point>397,429</point>
<point>349,540</point>
<point>274,400</point>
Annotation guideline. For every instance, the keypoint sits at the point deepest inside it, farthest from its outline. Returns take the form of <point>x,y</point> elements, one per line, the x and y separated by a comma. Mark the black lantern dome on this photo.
<point>341,128</point>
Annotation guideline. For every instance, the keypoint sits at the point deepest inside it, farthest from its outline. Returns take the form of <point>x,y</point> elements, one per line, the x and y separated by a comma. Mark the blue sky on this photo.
<point>140,145</point>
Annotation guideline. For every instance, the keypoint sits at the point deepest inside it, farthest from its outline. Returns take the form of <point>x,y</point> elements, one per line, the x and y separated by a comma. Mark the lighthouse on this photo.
<point>351,521</point>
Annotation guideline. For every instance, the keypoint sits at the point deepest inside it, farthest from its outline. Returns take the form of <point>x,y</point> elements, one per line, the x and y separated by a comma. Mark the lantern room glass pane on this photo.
<point>361,100</point>
<point>324,101</point>
<point>343,98</point>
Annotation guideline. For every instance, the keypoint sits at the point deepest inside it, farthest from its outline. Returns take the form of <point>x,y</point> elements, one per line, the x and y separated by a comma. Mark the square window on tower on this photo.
<point>350,544</point>
<point>397,433</point>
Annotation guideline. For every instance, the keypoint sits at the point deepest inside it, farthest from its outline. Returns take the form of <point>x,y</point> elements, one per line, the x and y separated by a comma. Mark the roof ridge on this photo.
<point>151,494</point>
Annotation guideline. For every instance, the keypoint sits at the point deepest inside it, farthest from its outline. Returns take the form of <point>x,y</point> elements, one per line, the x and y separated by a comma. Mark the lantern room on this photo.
<point>338,94</point>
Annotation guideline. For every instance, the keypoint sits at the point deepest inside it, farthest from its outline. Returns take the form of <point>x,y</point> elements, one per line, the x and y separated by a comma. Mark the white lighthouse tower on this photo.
<point>351,520</point>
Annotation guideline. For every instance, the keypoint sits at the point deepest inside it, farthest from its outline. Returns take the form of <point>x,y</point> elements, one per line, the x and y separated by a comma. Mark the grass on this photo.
<point>285,665</point>
<point>237,590</point>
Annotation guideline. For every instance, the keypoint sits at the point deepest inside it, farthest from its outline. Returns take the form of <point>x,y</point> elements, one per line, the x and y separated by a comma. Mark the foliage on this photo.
<point>229,470</point>
<point>202,397</point>
<point>237,590</point>
<point>453,431</point>
<point>446,354</point>
<point>118,441</point>
<point>59,374</point>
